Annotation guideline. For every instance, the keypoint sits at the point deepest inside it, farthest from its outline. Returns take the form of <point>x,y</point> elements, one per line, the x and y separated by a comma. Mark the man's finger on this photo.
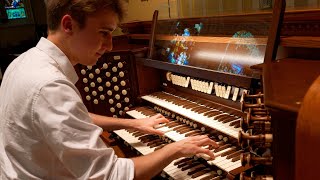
<point>206,154</point>
<point>162,120</point>
<point>157,132</point>
<point>158,116</point>
<point>207,141</point>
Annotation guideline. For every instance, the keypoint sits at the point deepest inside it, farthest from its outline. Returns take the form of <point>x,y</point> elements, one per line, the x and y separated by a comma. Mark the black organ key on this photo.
<point>182,161</point>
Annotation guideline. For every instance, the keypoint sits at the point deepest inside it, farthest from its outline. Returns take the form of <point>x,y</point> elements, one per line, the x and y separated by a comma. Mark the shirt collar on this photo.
<point>59,57</point>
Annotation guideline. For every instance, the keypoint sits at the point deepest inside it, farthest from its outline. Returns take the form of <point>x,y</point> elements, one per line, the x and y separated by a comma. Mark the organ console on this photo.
<point>217,76</point>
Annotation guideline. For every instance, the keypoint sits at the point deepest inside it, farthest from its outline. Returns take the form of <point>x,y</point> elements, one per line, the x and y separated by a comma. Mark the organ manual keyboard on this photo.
<point>205,75</point>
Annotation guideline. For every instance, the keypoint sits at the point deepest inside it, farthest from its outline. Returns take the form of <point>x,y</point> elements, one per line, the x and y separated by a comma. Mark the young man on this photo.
<point>46,131</point>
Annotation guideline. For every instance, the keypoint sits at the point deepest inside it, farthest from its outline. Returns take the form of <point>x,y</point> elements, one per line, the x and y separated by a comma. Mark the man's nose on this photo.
<point>107,44</point>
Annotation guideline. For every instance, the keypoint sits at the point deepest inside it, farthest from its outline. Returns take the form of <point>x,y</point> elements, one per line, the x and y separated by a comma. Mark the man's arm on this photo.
<point>150,165</point>
<point>145,125</point>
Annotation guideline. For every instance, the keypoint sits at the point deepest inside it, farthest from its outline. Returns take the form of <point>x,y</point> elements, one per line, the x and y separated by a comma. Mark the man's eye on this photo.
<point>104,33</point>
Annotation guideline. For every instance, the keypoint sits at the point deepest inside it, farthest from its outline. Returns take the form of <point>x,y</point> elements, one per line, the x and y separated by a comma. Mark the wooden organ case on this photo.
<point>291,66</point>
<point>224,76</point>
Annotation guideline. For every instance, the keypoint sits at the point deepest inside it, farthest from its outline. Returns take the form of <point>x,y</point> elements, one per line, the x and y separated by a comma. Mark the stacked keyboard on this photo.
<point>188,118</point>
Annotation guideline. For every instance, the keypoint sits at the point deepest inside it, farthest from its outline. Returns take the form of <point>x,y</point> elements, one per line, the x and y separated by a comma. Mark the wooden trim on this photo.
<point>222,40</point>
<point>216,76</point>
<point>274,31</point>
<point>286,41</point>
<point>295,23</point>
<point>153,32</point>
<point>300,41</point>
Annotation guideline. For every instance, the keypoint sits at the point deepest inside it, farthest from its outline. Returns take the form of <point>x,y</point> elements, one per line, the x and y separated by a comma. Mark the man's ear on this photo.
<point>67,23</point>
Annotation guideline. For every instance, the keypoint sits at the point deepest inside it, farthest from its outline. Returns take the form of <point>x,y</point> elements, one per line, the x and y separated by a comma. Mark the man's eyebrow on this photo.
<point>108,29</point>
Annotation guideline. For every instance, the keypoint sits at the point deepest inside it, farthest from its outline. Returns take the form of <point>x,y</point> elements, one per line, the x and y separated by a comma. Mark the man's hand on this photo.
<point>147,125</point>
<point>193,146</point>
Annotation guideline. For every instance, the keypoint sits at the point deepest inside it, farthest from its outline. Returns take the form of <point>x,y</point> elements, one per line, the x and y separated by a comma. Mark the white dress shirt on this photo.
<point>45,129</point>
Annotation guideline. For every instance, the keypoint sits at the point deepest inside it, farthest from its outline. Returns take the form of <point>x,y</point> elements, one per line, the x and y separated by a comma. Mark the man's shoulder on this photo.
<point>35,68</point>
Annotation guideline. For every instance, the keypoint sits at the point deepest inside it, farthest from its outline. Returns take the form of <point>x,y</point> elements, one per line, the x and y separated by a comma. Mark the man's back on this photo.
<point>21,84</point>
<point>45,129</point>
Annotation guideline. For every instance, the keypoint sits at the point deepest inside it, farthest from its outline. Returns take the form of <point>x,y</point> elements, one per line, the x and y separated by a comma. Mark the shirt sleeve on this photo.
<point>60,116</point>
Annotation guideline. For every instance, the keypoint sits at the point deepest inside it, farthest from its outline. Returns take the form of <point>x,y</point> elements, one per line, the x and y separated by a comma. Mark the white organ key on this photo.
<point>235,94</point>
<point>201,86</point>
<point>192,84</point>
<point>216,89</point>
<point>174,79</point>
<point>223,91</point>
<point>136,114</point>
<point>210,88</point>
<point>206,87</point>
<point>187,82</point>
<point>219,91</point>
<point>197,85</point>
<point>227,93</point>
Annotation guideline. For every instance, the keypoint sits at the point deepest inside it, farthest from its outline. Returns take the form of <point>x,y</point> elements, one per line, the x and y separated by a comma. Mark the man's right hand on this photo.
<point>193,146</point>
